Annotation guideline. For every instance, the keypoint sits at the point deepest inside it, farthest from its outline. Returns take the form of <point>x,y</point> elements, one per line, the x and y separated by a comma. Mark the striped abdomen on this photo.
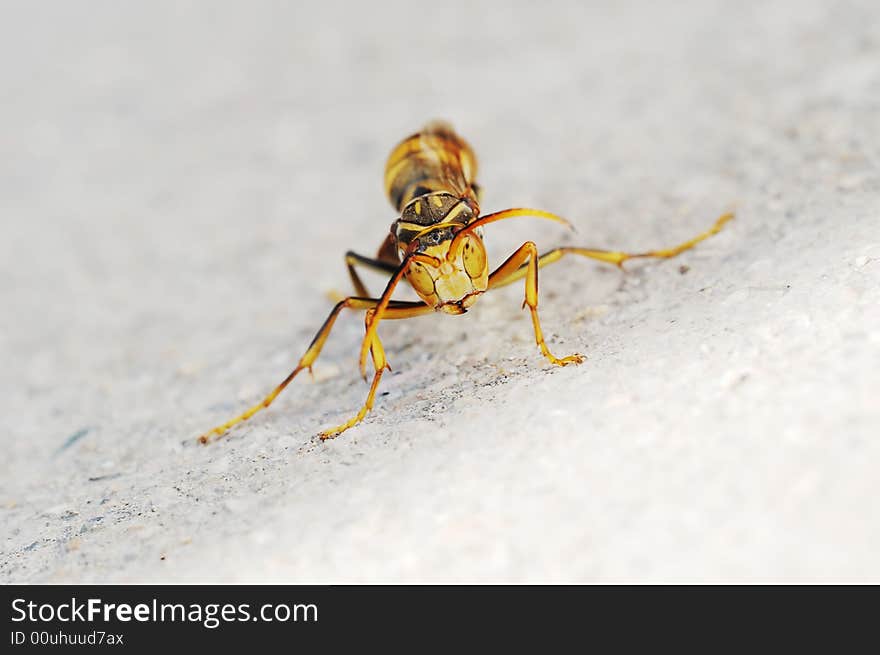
<point>435,159</point>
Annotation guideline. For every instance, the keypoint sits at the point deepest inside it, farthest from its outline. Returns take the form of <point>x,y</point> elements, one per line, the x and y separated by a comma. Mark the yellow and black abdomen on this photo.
<point>435,159</point>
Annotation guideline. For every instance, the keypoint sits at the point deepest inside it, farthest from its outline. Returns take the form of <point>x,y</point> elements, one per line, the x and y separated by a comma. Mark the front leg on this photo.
<point>309,357</point>
<point>528,251</point>
<point>397,310</point>
<point>374,317</point>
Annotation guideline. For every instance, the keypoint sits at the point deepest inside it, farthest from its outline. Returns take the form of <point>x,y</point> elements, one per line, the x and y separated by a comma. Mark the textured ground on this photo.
<point>178,184</point>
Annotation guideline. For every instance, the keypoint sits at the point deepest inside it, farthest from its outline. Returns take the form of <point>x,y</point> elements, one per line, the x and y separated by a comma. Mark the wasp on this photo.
<point>436,246</point>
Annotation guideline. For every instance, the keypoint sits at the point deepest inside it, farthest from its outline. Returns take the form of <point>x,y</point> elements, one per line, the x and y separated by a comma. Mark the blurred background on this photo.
<point>179,182</point>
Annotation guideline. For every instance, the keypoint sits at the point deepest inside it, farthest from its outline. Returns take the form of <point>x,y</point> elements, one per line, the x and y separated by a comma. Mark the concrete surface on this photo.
<point>179,182</point>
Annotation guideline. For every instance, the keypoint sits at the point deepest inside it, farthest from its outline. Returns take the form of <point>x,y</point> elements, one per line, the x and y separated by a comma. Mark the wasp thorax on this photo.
<point>433,208</point>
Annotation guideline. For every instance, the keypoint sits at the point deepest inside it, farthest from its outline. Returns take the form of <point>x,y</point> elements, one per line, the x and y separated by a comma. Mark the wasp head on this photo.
<point>461,272</point>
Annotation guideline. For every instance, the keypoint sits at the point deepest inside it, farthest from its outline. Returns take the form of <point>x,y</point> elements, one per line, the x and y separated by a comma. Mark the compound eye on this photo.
<point>473,255</point>
<point>420,279</point>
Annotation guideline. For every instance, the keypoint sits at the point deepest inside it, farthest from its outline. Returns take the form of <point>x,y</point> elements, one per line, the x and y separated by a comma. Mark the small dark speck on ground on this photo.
<point>72,439</point>
<point>110,476</point>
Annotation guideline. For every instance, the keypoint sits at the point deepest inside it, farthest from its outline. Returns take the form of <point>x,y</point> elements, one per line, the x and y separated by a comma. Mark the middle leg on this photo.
<point>353,259</point>
<point>611,256</point>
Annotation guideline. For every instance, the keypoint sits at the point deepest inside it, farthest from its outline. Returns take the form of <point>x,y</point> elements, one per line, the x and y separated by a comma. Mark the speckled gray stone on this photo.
<point>178,184</point>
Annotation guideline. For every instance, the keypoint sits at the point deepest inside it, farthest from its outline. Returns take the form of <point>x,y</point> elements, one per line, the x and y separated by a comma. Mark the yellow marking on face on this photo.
<point>418,207</point>
<point>453,286</point>
<point>422,281</point>
<point>438,202</point>
<point>473,256</point>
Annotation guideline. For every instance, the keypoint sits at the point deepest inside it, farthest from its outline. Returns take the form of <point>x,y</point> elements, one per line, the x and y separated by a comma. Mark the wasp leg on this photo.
<point>306,361</point>
<point>374,317</point>
<point>516,262</point>
<point>393,311</point>
<point>612,257</point>
<point>353,259</point>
